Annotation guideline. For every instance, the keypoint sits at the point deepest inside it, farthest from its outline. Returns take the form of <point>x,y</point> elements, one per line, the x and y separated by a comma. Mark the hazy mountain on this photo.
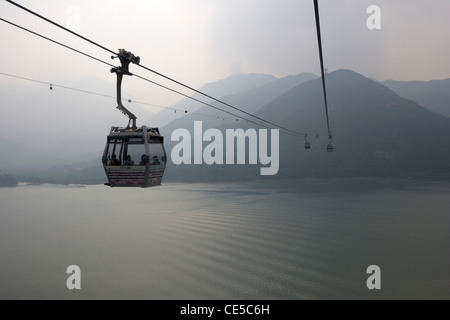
<point>43,128</point>
<point>237,84</point>
<point>7,181</point>
<point>88,172</point>
<point>433,95</point>
<point>250,101</point>
<point>70,127</point>
<point>14,152</point>
<point>376,133</point>
<point>253,100</point>
<point>230,86</point>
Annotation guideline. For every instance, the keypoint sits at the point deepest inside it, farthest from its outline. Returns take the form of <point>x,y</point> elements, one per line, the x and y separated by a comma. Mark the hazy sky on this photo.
<point>200,41</point>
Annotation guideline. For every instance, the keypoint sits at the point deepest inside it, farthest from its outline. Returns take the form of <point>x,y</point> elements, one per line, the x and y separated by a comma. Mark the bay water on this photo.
<point>309,239</point>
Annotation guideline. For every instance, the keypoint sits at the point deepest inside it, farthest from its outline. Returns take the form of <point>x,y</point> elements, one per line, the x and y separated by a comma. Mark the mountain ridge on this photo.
<point>376,132</point>
<point>231,85</point>
<point>433,95</point>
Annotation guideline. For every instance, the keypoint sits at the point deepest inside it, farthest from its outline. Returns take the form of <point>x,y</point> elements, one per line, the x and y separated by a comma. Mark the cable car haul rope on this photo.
<point>322,70</point>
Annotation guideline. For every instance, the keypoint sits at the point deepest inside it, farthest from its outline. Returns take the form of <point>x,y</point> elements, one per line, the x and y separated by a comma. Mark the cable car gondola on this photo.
<point>133,157</point>
<point>330,148</point>
<point>330,145</point>
<point>307,144</point>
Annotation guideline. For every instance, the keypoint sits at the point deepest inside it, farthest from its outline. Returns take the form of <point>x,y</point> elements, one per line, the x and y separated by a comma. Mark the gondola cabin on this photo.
<point>330,148</point>
<point>307,146</point>
<point>134,157</point>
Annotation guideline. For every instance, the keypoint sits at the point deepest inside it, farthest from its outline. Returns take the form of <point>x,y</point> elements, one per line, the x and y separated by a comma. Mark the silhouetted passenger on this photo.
<point>114,160</point>
<point>144,160</point>
<point>128,162</point>
<point>156,161</point>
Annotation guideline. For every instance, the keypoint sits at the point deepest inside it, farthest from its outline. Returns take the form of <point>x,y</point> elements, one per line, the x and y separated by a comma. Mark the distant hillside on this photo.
<point>433,95</point>
<point>376,133</point>
<point>7,181</point>
<point>60,126</point>
<point>89,172</point>
<point>14,152</point>
<point>250,101</point>
<point>232,85</point>
<point>68,161</point>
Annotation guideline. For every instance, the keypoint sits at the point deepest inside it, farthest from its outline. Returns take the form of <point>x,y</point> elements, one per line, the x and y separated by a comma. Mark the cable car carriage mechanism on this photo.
<point>133,157</point>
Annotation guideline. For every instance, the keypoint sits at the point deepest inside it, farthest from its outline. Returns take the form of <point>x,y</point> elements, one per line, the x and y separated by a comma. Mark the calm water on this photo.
<point>306,240</point>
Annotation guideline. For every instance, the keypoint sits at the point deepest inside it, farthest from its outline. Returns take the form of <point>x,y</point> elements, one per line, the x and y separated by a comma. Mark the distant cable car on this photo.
<point>133,157</point>
<point>330,148</point>
<point>330,145</point>
<point>307,144</point>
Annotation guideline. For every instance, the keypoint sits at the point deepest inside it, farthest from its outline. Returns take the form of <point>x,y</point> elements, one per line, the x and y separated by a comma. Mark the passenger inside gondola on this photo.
<point>128,162</point>
<point>144,160</point>
<point>114,160</point>
<point>156,161</point>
